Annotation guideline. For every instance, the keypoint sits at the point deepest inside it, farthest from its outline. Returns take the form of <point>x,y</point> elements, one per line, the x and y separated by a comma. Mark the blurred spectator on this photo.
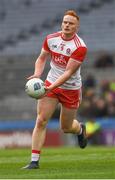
<point>104,86</point>
<point>86,109</point>
<point>110,99</point>
<point>112,87</point>
<point>93,132</point>
<point>104,60</point>
<point>99,103</point>
<point>111,110</point>
<point>100,109</point>
<point>90,81</point>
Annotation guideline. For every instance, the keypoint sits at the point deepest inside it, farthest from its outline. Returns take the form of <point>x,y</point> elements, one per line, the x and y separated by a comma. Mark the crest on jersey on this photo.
<point>62,46</point>
<point>68,51</point>
<point>54,46</point>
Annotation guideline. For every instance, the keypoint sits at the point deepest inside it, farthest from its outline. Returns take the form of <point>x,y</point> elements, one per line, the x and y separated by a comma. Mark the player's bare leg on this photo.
<point>70,124</point>
<point>45,109</point>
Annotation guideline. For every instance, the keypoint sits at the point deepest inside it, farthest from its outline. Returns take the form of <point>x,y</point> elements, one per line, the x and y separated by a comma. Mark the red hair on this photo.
<point>72,13</point>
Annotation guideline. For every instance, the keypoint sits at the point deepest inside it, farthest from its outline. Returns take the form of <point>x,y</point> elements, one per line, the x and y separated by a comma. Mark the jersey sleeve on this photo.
<point>79,54</point>
<point>45,45</point>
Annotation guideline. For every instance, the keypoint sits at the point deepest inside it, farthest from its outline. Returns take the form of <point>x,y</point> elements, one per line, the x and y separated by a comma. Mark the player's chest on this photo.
<point>62,47</point>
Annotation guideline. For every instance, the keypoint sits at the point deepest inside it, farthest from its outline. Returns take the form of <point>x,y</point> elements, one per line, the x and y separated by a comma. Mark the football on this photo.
<point>35,88</point>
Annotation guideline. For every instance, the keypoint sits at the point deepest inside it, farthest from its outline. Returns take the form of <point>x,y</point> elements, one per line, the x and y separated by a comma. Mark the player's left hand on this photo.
<point>47,89</point>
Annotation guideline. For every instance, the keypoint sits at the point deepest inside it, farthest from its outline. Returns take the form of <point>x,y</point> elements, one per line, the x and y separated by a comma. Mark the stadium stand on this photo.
<point>21,19</point>
<point>23,26</point>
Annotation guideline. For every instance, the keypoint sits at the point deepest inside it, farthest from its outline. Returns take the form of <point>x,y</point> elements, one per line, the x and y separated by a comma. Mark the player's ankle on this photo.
<point>35,155</point>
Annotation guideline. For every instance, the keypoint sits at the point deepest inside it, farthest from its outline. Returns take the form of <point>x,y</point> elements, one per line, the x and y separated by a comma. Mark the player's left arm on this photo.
<point>71,68</point>
<point>73,65</point>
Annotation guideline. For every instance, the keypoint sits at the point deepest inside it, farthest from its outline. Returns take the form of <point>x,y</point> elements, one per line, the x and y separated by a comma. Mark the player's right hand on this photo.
<point>32,76</point>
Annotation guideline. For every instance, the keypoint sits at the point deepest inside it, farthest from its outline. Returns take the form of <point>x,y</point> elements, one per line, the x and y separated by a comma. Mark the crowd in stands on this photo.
<point>98,99</point>
<point>104,60</point>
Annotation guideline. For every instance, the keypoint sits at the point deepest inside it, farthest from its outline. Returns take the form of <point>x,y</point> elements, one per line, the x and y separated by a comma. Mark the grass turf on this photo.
<point>60,163</point>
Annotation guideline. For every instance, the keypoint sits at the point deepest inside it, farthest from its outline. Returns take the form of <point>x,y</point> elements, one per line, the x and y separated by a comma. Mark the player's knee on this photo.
<point>41,123</point>
<point>65,129</point>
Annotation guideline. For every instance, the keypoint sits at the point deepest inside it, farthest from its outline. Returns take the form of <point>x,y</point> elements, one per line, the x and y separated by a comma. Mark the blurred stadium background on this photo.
<point>23,26</point>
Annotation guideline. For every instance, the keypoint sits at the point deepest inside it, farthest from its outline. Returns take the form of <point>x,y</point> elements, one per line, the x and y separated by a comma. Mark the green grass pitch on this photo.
<point>60,163</point>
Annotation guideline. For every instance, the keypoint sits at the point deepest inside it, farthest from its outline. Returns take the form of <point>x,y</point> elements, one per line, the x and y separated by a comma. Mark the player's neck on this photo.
<point>67,36</point>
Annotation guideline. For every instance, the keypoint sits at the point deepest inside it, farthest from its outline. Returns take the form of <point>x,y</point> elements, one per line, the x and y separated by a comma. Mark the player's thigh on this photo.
<point>46,107</point>
<point>67,116</point>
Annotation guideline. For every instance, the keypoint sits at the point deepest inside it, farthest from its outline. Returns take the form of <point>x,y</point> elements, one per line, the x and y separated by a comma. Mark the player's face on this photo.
<point>69,25</point>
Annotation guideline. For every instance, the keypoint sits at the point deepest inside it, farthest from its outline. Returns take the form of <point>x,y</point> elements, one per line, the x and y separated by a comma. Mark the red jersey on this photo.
<point>61,51</point>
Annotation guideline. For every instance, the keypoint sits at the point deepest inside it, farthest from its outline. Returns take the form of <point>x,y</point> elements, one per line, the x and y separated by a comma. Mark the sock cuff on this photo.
<point>36,151</point>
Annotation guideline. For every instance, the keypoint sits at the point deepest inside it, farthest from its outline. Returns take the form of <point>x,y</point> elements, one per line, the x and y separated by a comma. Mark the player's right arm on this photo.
<point>40,64</point>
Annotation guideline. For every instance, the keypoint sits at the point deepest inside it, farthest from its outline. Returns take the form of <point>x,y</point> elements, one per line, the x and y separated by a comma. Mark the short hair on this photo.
<point>72,13</point>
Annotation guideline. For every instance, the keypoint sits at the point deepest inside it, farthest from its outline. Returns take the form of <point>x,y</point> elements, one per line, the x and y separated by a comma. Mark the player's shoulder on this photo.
<point>79,41</point>
<point>53,35</point>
